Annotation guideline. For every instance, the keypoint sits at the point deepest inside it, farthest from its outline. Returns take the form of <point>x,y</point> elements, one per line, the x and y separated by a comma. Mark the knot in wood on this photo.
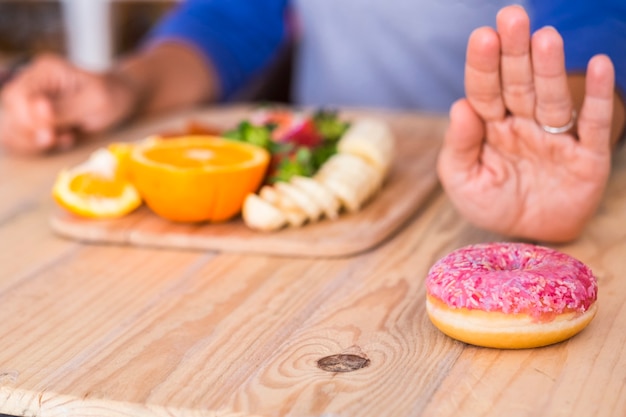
<point>343,362</point>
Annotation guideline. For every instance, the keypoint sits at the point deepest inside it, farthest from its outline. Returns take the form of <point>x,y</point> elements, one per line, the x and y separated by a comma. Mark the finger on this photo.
<point>463,139</point>
<point>554,101</point>
<point>482,74</point>
<point>516,69</point>
<point>43,114</point>
<point>594,123</point>
<point>23,128</point>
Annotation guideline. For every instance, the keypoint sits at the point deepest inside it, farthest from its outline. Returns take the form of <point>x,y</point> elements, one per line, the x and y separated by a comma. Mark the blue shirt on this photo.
<point>391,53</point>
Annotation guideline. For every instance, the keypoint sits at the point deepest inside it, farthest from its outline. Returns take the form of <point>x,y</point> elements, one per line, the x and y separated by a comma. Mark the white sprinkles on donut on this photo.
<point>510,295</point>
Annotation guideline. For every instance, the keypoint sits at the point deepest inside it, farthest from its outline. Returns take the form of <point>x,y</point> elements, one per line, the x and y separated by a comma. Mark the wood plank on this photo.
<point>225,335</point>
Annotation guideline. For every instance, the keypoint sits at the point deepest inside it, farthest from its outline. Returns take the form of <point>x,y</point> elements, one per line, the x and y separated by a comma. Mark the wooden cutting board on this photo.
<point>411,181</point>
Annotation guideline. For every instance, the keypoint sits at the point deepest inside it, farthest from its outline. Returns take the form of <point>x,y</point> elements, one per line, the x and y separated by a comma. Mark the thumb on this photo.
<point>462,144</point>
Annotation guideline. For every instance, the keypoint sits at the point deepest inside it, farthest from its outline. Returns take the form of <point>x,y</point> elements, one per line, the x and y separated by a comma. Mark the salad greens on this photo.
<point>299,143</point>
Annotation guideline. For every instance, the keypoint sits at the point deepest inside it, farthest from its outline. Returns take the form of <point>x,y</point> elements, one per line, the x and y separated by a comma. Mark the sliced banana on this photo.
<point>293,212</point>
<point>261,215</point>
<point>269,194</point>
<point>370,139</point>
<point>343,190</point>
<point>303,200</point>
<point>350,170</point>
<point>347,180</point>
<point>353,169</point>
<point>322,196</point>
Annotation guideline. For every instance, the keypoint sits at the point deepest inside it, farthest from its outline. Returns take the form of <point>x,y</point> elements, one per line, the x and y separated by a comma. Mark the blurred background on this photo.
<point>93,33</point>
<point>89,32</point>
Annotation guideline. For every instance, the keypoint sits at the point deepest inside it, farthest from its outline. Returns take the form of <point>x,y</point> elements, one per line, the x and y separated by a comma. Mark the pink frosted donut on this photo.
<point>510,295</point>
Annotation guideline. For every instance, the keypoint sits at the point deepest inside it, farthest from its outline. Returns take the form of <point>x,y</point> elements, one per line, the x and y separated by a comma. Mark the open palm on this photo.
<point>498,165</point>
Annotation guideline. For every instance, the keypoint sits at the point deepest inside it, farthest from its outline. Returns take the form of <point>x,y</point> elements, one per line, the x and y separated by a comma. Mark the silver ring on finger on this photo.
<point>561,129</point>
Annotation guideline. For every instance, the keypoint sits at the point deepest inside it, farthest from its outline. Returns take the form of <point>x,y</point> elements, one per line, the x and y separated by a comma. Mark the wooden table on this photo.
<point>106,330</point>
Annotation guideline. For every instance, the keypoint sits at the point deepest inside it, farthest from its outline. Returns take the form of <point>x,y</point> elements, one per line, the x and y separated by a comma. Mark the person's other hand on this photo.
<point>500,168</point>
<point>51,102</point>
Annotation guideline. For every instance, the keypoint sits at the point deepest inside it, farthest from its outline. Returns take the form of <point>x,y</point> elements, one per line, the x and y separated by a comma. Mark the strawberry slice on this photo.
<point>290,127</point>
<point>301,131</point>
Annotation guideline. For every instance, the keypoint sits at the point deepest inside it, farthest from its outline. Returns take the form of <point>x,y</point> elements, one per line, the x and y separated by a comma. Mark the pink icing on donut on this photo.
<point>513,278</point>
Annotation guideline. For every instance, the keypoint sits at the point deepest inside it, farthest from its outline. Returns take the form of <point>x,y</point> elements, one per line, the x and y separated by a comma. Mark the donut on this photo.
<point>510,295</point>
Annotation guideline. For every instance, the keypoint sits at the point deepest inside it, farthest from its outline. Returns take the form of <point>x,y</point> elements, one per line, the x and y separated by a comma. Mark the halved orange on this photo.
<point>197,178</point>
<point>96,188</point>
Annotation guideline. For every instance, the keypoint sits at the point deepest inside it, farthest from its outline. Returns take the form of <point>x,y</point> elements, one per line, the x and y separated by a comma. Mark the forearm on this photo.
<point>168,76</point>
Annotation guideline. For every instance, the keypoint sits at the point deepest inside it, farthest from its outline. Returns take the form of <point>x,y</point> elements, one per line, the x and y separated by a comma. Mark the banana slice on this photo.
<point>344,193</point>
<point>370,139</point>
<point>322,196</point>
<point>295,215</point>
<point>301,199</point>
<point>366,179</point>
<point>261,215</point>
<point>353,172</point>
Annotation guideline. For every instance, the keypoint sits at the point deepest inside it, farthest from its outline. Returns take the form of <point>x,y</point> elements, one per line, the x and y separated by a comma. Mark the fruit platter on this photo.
<point>274,180</point>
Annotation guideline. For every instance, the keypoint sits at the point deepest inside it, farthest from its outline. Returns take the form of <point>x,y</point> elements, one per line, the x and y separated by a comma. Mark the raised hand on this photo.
<point>499,164</point>
<point>50,102</point>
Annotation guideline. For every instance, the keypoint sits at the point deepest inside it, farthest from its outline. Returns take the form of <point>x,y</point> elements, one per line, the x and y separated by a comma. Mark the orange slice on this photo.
<point>197,178</point>
<point>122,152</point>
<point>96,189</point>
